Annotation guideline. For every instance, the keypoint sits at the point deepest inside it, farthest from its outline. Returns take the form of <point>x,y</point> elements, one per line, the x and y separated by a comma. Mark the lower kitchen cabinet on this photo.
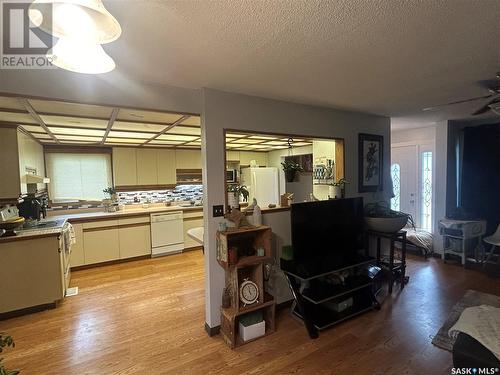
<point>134,241</point>
<point>101,245</point>
<point>77,253</point>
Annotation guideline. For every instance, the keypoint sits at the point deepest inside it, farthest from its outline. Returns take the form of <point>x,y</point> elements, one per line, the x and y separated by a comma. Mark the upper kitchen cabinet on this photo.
<point>20,155</point>
<point>147,166</point>
<point>166,167</point>
<point>232,156</point>
<point>247,156</point>
<point>125,166</point>
<point>188,159</point>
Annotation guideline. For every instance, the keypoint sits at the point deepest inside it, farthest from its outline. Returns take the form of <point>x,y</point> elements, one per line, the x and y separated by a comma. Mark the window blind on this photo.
<point>79,176</point>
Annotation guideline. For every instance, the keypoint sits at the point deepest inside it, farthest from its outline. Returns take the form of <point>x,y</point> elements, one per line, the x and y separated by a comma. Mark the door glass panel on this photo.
<point>396,187</point>
<point>426,196</point>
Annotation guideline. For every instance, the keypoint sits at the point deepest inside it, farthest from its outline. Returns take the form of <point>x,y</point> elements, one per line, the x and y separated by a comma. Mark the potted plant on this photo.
<point>233,195</point>
<point>111,191</point>
<point>291,168</point>
<point>5,342</point>
<point>380,218</point>
<point>337,189</point>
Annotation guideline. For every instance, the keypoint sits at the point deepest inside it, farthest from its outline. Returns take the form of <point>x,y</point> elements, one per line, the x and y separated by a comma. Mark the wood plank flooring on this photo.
<point>147,317</point>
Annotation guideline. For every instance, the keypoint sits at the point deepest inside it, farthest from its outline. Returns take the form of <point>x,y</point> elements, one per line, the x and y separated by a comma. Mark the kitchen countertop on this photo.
<point>92,216</point>
<point>28,234</point>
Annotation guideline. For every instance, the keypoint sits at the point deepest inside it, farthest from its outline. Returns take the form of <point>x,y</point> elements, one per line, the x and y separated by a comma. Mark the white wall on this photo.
<point>234,111</point>
<point>276,157</point>
<point>414,136</point>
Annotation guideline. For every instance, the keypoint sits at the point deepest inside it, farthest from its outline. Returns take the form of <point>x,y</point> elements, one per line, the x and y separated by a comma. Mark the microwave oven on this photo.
<point>231,175</point>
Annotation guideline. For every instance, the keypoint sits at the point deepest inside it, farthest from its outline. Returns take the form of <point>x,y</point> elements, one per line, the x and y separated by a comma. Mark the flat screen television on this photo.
<point>331,230</point>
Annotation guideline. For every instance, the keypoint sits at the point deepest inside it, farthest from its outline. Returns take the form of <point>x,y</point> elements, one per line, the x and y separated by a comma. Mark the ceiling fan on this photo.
<point>493,104</point>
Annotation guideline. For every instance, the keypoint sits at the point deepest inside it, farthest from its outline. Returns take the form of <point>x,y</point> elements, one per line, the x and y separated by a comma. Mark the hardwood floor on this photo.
<point>147,317</point>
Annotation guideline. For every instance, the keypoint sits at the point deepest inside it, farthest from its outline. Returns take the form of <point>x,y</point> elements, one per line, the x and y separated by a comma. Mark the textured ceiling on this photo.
<point>385,57</point>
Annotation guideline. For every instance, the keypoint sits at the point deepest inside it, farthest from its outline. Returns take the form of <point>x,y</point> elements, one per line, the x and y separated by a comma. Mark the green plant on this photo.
<point>289,165</point>
<point>342,183</point>
<point>239,190</point>
<point>5,342</point>
<point>110,190</point>
<point>382,209</point>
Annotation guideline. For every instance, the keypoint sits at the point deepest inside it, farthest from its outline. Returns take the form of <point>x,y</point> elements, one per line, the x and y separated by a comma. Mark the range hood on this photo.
<point>36,179</point>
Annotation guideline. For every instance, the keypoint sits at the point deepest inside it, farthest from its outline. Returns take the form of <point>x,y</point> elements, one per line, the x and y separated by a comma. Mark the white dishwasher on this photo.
<point>167,233</point>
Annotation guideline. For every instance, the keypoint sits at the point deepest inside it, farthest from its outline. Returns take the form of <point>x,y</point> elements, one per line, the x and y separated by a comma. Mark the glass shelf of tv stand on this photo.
<point>360,262</point>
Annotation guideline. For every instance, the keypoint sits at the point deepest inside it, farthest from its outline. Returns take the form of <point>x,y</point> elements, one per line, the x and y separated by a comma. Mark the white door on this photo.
<point>404,166</point>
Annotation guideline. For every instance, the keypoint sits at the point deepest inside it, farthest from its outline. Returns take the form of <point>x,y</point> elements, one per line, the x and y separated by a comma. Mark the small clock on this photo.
<point>249,292</point>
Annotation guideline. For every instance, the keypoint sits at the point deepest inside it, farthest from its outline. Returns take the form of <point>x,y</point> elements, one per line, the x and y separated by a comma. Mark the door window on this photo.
<point>426,191</point>
<point>396,187</point>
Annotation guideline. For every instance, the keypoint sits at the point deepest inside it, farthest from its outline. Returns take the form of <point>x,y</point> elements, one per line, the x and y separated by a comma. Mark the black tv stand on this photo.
<point>313,295</point>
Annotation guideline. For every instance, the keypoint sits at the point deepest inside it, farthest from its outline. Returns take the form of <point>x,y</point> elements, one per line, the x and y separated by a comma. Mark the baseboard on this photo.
<point>27,310</point>
<point>212,331</point>
<point>109,262</point>
<point>284,305</point>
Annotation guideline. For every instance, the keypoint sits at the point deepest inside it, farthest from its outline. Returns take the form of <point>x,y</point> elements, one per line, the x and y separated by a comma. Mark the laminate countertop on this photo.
<point>81,217</point>
<point>32,233</point>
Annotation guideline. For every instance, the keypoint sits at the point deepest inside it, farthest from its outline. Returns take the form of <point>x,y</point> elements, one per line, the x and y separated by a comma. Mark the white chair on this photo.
<point>494,241</point>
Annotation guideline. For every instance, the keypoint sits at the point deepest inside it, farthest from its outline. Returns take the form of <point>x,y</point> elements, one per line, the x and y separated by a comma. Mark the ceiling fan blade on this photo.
<point>457,102</point>
<point>485,108</point>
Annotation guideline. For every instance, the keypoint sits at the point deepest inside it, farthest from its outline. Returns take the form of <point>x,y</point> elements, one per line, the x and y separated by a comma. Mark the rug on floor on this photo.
<point>471,298</point>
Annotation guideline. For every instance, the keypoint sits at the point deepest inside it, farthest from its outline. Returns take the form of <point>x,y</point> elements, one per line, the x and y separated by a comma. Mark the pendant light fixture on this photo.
<point>81,26</point>
<point>81,57</point>
<point>73,18</point>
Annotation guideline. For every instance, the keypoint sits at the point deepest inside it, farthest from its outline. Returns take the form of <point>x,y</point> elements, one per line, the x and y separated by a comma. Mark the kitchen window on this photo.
<point>78,176</point>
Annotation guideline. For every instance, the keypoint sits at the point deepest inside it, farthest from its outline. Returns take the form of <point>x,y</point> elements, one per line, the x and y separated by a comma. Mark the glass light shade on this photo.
<point>81,57</point>
<point>77,19</point>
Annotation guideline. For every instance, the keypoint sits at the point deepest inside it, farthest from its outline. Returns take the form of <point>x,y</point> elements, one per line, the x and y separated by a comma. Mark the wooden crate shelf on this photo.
<point>248,266</point>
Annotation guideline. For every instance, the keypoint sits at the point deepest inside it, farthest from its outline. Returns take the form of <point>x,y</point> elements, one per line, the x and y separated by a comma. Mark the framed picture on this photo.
<point>370,160</point>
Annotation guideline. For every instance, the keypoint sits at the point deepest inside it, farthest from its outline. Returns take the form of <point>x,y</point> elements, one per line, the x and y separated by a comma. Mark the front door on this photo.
<point>404,173</point>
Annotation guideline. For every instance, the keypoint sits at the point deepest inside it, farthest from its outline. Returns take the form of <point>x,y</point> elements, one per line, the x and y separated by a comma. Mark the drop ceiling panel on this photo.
<point>247,141</point>
<point>262,137</point>
<point>71,109</point>
<point>124,125</point>
<point>192,120</point>
<point>184,130</point>
<point>165,142</point>
<point>77,131</point>
<point>147,116</point>
<point>41,136</point>
<point>125,140</point>
<point>11,103</point>
<point>171,137</point>
<point>33,128</point>
<point>135,135</point>
<point>63,137</point>
<point>19,118</point>
<point>74,122</point>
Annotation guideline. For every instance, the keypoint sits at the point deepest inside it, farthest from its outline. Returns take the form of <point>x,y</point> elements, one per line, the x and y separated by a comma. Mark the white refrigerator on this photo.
<point>262,184</point>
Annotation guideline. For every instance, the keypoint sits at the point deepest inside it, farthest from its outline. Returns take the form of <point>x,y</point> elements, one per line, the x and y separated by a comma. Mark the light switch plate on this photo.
<point>218,210</point>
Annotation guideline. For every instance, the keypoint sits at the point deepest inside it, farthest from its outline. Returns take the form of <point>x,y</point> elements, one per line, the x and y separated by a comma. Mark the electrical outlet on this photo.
<point>218,210</point>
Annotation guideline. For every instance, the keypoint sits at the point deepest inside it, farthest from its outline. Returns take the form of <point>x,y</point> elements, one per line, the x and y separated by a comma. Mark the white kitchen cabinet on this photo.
<point>247,156</point>
<point>188,159</point>
<point>77,253</point>
<point>124,166</point>
<point>232,156</point>
<point>147,166</point>
<point>135,240</point>
<point>166,167</point>
<point>101,245</point>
